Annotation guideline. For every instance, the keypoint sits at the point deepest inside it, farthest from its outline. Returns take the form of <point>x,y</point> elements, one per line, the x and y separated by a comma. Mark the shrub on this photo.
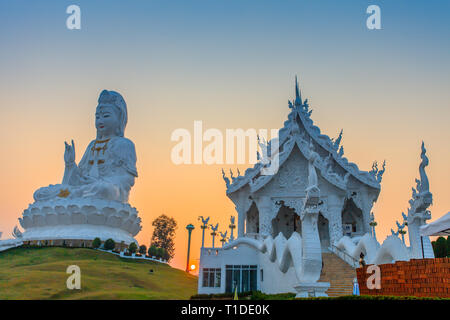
<point>96,243</point>
<point>132,248</point>
<point>142,249</point>
<point>109,244</point>
<point>152,251</point>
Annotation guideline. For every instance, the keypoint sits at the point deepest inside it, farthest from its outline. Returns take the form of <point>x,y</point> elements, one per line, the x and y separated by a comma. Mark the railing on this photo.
<point>209,251</point>
<point>344,256</point>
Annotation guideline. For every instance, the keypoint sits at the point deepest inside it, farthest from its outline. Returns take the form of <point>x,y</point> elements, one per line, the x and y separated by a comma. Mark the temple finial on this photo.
<point>337,142</point>
<point>298,96</point>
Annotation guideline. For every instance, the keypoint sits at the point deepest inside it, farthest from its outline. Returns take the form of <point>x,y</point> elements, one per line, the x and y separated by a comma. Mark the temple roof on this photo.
<point>299,130</point>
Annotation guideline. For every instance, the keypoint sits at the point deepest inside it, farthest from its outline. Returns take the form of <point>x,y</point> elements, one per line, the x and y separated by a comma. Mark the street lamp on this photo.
<point>203,226</point>
<point>189,228</point>
<point>214,233</point>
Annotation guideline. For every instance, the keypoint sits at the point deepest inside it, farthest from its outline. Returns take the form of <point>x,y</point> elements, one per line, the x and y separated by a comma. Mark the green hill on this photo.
<point>40,273</point>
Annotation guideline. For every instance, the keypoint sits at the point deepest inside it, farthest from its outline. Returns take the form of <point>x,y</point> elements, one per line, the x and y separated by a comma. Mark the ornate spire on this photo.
<point>341,151</point>
<point>374,170</point>
<point>232,176</point>
<point>298,96</point>
<point>227,181</point>
<point>424,185</point>
<point>381,172</point>
<point>338,140</point>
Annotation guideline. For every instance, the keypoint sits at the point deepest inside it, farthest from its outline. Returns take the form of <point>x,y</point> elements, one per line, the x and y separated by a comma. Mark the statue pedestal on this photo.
<point>80,219</point>
<point>313,289</point>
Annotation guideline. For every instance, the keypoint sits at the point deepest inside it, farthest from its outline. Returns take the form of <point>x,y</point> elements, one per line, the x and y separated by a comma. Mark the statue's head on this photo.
<point>111,114</point>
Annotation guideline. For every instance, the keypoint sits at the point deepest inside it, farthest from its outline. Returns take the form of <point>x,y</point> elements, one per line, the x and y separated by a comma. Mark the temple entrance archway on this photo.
<point>352,219</point>
<point>286,221</point>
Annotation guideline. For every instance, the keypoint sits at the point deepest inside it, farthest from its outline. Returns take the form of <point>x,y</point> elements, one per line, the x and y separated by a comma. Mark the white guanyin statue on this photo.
<point>108,167</point>
<point>92,199</point>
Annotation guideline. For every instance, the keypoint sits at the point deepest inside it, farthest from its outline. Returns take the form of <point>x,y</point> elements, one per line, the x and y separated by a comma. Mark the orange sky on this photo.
<point>34,128</point>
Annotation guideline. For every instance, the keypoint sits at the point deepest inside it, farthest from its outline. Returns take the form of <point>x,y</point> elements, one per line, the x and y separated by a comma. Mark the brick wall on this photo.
<point>417,277</point>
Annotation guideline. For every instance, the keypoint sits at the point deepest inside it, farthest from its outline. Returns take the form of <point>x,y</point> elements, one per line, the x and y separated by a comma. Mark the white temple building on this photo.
<point>303,228</point>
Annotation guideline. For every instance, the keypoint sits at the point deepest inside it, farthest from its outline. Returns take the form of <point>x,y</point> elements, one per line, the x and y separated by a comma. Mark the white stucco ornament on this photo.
<point>92,199</point>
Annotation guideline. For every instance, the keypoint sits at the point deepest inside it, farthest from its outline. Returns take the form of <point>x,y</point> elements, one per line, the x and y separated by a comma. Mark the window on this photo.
<point>242,276</point>
<point>211,277</point>
<point>262,275</point>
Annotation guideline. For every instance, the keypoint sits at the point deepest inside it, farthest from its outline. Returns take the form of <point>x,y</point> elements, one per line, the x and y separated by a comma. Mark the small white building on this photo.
<point>315,206</point>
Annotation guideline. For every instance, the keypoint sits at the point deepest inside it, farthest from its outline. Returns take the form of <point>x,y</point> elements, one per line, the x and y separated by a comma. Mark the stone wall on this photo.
<point>417,277</point>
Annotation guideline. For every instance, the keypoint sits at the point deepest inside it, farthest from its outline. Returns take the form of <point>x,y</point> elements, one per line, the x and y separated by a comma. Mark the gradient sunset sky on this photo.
<point>231,64</point>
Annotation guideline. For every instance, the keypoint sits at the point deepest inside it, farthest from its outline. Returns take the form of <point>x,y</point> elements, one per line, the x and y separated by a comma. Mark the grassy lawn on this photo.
<point>40,273</point>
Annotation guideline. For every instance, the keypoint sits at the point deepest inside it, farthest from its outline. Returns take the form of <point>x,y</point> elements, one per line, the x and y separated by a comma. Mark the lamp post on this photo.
<point>189,228</point>
<point>224,237</point>
<point>214,233</point>
<point>203,226</point>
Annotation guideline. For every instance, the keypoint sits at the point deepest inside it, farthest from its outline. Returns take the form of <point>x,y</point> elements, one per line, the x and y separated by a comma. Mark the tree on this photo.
<point>132,248</point>
<point>165,255</point>
<point>96,243</point>
<point>142,249</point>
<point>440,247</point>
<point>164,233</point>
<point>109,244</point>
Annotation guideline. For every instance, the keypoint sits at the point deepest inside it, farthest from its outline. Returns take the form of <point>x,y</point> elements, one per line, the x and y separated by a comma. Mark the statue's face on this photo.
<point>107,121</point>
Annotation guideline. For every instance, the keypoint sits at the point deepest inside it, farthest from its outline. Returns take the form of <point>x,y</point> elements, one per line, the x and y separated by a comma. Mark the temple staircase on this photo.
<point>338,273</point>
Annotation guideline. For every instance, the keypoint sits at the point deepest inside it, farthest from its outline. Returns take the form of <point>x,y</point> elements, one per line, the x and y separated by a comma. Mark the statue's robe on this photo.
<point>106,171</point>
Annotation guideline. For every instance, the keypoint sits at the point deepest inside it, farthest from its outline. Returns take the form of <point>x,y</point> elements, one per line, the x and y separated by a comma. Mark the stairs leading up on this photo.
<point>338,273</point>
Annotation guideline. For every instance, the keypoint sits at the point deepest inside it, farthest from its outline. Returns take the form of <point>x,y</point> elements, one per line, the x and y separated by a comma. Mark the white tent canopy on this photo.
<point>440,227</point>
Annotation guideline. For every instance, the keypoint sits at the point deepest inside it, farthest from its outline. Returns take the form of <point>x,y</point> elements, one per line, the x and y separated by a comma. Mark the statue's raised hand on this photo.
<point>69,154</point>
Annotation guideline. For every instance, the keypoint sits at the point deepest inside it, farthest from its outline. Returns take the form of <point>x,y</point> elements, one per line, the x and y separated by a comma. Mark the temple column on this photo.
<point>265,207</point>
<point>243,204</point>
<point>241,221</point>
<point>366,208</point>
<point>335,204</point>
